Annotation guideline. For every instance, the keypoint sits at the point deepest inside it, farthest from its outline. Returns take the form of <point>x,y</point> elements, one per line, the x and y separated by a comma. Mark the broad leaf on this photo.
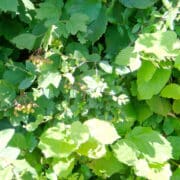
<point>5,137</point>
<point>171,91</point>
<point>176,106</point>
<point>25,41</point>
<point>151,80</point>
<point>102,130</point>
<point>140,4</point>
<point>9,5</point>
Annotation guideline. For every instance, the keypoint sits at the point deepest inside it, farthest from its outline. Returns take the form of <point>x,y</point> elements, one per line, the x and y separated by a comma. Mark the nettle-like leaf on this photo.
<point>8,5</point>
<point>161,44</point>
<point>171,91</point>
<point>127,57</point>
<point>177,62</point>
<point>151,80</point>
<point>102,131</point>
<point>176,174</point>
<point>77,22</point>
<point>140,4</point>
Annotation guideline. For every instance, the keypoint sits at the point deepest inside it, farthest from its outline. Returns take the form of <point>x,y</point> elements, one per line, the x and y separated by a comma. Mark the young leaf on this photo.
<point>171,91</point>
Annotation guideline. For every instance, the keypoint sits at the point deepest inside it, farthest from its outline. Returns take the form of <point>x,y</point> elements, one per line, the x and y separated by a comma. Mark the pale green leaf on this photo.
<point>151,144</point>
<point>25,41</point>
<point>171,91</point>
<point>102,130</point>
<point>127,57</point>
<point>106,67</point>
<point>63,167</point>
<point>28,4</point>
<point>125,151</point>
<point>5,137</point>
<point>7,173</point>
<point>92,149</point>
<point>177,62</point>
<point>48,78</point>
<point>143,169</point>
<point>161,44</point>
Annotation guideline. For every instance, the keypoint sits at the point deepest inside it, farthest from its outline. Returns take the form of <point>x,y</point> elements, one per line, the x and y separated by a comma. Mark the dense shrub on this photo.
<point>89,89</point>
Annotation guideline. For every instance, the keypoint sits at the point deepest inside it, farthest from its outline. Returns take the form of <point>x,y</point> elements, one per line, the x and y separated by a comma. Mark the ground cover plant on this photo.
<point>89,89</point>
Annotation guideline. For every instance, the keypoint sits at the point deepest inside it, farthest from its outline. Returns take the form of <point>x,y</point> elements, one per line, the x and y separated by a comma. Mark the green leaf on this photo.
<point>106,166</point>
<point>61,141</point>
<point>177,62</point>
<point>76,23</point>
<point>102,131</point>
<point>89,7</point>
<point>5,137</point>
<point>48,78</point>
<point>125,151</point>
<point>127,57</point>
<point>97,28</point>
<point>175,143</point>
<point>161,44</point>
<point>150,80</point>
<point>159,105</point>
<point>151,144</point>
<point>27,82</point>
<point>140,4</point>
<point>50,9</point>
<point>171,91</point>
<point>25,41</point>
<point>176,174</point>
<point>92,149</point>
<point>54,143</point>
<point>63,167</point>
<point>7,94</point>
<point>176,106</point>
<point>143,169</point>
<point>8,5</point>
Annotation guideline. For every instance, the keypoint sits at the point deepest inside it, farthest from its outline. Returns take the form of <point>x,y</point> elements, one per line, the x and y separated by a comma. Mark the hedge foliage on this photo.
<point>89,89</point>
